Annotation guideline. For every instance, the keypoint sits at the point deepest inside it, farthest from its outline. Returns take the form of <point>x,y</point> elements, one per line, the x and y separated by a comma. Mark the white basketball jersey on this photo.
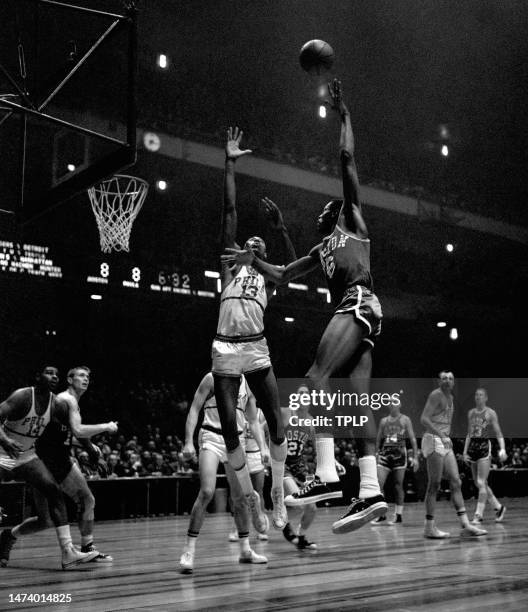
<point>211,416</point>
<point>242,306</point>
<point>26,430</point>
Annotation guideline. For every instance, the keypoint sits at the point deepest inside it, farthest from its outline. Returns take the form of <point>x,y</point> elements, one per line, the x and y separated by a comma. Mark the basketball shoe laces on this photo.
<point>353,501</point>
<point>308,487</point>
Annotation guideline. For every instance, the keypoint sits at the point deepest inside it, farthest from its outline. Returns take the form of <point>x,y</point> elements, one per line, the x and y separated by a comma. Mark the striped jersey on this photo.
<point>211,418</point>
<point>242,306</point>
<point>345,259</point>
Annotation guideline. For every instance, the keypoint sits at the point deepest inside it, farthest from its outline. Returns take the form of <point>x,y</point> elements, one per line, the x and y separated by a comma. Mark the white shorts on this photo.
<point>208,440</point>
<point>254,462</point>
<point>433,444</point>
<point>8,463</point>
<point>236,358</point>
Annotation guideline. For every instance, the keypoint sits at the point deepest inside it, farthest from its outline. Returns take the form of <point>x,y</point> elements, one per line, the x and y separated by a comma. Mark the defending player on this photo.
<point>393,431</point>
<point>349,337</point>
<point>440,459</point>
<point>240,348</point>
<point>213,451</point>
<point>296,474</point>
<point>25,415</point>
<point>54,448</point>
<point>482,425</point>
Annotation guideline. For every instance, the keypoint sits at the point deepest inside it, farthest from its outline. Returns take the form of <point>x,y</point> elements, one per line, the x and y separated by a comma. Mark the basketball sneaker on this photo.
<point>101,557</point>
<point>263,537</point>
<point>499,514</point>
<point>304,544</point>
<point>187,562</point>
<point>259,518</point>
<point>279,515</point>
<point>233,536</point>
<point>7,541</point>
<point>289,534</point>
<point>315,491</point>
<point>472,531</point>
<point>433,533</point>
<point>396,520</point>
<point>380,520</point>
<point>477,519</point>
<point>251,556</point>
<point>359,512</point>
<point>72,557</point>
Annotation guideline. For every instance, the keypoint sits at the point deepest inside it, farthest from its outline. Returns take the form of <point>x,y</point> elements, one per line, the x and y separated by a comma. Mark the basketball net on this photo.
<point>116,203</point>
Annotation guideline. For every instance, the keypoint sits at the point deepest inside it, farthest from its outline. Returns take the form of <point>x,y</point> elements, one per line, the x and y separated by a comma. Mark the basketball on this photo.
<point>316,56</point>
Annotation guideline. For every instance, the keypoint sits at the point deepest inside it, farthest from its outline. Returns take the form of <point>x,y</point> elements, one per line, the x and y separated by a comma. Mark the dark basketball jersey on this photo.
<point>393,432</point>
<point>57,435</point>
<point>296,438</point>
<point>480,423</point>
<point>345,259</point>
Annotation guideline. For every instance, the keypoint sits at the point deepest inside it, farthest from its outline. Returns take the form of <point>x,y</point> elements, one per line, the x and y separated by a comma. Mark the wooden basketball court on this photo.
<point>376,568</point>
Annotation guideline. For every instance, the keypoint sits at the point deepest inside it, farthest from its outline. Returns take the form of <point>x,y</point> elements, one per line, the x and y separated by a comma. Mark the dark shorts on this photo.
<point>298,471</point>
<point>365,307</point>
<point>479,448</point>
<point>393,458</point>
<point>58,462</point>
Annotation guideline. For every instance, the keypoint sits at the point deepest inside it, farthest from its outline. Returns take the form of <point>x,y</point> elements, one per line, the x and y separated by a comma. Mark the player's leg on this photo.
<point>37,474</point>
<point>435,467</point>
<point>500,509</point>
<point>257,479</point>
<point>240,511</point>
<point>208,461</point>
<point>264,387</point>
<point>299,518</point>
<point>33,524</point>
<point>383,472</point>
<point>76,487</point>
<point>477,473</point>
<point>455,484</point>
<point>398,474</point>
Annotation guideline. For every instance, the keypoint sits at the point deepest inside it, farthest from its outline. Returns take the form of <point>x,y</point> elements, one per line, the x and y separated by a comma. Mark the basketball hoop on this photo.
<point>116,203</point>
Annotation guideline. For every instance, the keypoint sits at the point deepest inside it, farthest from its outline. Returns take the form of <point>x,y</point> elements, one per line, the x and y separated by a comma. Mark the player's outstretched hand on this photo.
<point>12,447</point>
<point>237,257</point>
<point>111,427</point>
<point>336,97</point>
<point>232,148</point>
<point>273,213</point>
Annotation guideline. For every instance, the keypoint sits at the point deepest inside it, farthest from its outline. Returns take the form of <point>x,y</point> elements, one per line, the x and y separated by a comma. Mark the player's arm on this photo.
<point>432,403</point>
<point>204,391</point>
<point>353,219</point>
<point>410,434</point>
<point>274,274</point>
<point>76,425</point>
<point>498,433</point>
<point>256,427</point>
<point>229,213</point>
<point>12,408</point>
<point>277,223</point>
<point>465,455</point>
<point>94,452</point>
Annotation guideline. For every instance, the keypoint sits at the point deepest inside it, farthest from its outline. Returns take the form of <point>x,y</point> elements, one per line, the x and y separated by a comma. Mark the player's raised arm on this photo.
<point>74,416</point>
<point>353,219</point>
<point>275,274</point>
<point>277,223</point>
<point>204,391</point>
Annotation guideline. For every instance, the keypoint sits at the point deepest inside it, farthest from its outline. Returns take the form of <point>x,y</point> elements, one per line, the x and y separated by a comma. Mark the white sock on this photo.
<point>190,544</point>
<point>277,464</point>
<point>399,509</point>
<point>480,508</point>
<point>86,540</point>
<point>64,536</point>
<point>326,470</point>
<point>368,475</point>
<point>493,500</point>
<point>463,517</point>
<point>244,544</point>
